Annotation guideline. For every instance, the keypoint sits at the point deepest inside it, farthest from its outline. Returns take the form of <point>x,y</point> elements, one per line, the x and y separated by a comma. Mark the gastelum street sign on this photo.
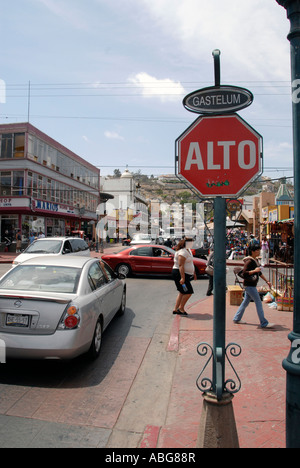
<point>218,100</point>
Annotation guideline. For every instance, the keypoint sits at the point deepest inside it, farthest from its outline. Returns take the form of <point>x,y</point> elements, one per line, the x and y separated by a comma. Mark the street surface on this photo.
<point>105,403</point>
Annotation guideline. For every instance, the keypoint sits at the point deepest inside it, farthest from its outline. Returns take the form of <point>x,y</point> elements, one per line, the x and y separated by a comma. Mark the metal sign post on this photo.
<point>219,155</point>
<point>292,363</point>
<point>219,333</point>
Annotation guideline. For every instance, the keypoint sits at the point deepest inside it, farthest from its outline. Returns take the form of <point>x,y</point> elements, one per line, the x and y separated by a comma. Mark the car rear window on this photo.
<point>58,279</point>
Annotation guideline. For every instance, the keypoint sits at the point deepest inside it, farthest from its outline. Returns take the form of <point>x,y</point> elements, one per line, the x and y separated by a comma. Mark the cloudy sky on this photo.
<point>107,77</point>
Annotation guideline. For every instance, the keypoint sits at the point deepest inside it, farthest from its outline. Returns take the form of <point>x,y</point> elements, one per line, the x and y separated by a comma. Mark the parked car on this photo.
<point>147,259</point>
<point>126,241</point>
<point>200,249</point>
<point>141,239</point>
<point>58,307</point>
<point>54,246</point>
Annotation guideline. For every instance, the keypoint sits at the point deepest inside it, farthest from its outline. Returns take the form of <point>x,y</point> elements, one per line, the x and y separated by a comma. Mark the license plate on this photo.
<point>16,320</point>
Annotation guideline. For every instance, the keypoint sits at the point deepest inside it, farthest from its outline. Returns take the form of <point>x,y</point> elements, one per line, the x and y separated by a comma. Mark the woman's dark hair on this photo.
<point>180,245</point>
<point>254,247</point>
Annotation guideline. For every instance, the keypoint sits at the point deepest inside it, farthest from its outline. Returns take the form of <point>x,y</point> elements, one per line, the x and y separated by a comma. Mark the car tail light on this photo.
<point>72,310</point>
<point>70,319</point>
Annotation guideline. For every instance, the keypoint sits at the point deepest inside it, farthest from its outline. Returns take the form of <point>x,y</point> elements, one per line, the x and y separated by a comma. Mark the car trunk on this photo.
<point>31,314</point>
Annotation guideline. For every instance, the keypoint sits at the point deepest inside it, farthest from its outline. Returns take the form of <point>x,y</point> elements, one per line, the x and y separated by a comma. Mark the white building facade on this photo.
<point>127,209</point>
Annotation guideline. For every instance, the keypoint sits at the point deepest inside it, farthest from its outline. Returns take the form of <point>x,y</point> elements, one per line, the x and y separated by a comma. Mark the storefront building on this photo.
<point>45,189</point>
<point>278,225</point>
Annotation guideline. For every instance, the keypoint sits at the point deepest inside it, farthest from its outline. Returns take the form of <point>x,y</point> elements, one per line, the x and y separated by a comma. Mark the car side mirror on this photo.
<point>121,276</point>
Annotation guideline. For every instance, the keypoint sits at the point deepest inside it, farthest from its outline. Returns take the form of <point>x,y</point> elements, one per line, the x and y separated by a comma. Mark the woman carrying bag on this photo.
<point>183,272</point>
<point>251,273</point>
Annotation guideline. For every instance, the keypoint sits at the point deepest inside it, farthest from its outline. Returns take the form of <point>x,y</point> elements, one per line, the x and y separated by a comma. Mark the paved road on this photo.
<point>105,403</point>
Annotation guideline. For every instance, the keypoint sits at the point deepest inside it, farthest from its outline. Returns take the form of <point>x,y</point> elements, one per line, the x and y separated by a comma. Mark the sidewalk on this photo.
<point>259,407</point>
<point>7,257</point>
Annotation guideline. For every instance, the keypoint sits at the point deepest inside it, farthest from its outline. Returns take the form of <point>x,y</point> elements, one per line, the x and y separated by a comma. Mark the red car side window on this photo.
<point>142,252</point>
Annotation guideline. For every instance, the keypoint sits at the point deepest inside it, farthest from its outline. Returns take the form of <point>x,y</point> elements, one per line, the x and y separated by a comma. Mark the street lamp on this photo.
<point>292,363</point>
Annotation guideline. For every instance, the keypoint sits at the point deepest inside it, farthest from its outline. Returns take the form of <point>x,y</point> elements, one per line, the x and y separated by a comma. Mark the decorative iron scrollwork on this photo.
<point>230,385</point>
<point>206,384</point>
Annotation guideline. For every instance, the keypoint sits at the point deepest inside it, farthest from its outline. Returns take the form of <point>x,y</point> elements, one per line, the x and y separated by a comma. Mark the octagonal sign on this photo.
<point>219,155</point>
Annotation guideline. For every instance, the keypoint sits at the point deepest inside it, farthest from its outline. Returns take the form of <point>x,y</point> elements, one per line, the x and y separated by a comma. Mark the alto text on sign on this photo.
<point>246,155</point>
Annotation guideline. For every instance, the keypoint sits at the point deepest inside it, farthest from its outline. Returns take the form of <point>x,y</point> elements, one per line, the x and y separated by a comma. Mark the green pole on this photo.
<point>292,363</point>
<point>219,326</point>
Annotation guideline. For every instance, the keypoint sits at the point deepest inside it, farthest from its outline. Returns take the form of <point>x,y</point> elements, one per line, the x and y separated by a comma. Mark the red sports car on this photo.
<point>147,259</point>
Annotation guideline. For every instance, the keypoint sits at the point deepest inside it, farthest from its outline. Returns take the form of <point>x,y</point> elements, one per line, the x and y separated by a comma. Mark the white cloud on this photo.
<point>113,136</point>
<point>250,34</point>
<point>164,89</point>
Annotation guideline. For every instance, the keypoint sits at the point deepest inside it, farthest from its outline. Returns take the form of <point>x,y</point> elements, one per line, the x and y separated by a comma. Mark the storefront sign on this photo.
<point>8,202</point>
<point>51,207</point>
<point>47,206</point>
<point>273,215</point>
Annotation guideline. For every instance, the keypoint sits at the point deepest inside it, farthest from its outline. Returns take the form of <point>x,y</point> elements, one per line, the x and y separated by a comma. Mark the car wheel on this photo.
<point>122,308</point>
<point>123,269</point>
<point>97,341</point>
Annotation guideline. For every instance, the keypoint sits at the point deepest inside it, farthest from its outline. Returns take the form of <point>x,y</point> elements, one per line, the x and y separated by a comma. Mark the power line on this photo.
<point>129,85</point>
<point>133,119</point>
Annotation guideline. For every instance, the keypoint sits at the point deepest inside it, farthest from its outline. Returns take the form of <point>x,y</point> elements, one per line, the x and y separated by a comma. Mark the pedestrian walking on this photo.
<point>252,271</point>
<point>183,273</point>
<point>265,251</point>
<point>18,241</point>
<point>31,237</point>
<point>210,263</point>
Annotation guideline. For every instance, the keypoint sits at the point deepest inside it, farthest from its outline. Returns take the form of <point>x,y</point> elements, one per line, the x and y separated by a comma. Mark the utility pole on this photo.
<point>292,363</point>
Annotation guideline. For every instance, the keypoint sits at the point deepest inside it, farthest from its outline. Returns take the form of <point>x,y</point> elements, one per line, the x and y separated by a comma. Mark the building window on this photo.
<point>40,186</point>
<point>29,184</point>
<point>5,184</point>
<point>19,145</point>
<point>53,190</point>
<point>18,183</point>
<point>12,145</point>
<point>7,146</point>
<point>32,225</point>
<point>34,186</point>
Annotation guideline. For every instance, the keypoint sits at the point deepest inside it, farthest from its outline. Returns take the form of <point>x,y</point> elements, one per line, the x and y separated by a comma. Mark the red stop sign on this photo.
<point>220,155</point>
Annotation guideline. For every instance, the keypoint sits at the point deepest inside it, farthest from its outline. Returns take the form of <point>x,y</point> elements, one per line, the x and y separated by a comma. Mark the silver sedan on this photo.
<point>58,307</point>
